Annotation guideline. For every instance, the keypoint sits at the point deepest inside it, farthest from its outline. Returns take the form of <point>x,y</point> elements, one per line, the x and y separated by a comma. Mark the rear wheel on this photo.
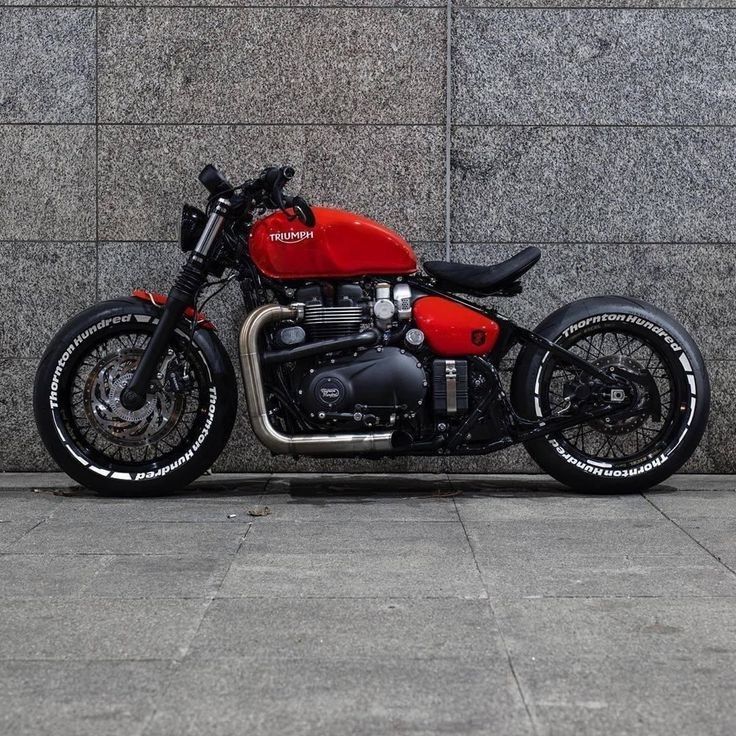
<point>634,452</point>
<point>165,444</point>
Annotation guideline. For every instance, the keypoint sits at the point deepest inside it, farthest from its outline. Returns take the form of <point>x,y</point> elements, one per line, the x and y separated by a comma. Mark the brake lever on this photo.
<point>276,179</point>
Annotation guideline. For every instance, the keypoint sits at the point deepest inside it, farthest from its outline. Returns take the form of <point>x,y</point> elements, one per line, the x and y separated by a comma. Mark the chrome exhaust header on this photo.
<point>277,442</point>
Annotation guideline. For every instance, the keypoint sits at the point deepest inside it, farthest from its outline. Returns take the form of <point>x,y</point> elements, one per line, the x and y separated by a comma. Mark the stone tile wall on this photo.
<point>601,131</point>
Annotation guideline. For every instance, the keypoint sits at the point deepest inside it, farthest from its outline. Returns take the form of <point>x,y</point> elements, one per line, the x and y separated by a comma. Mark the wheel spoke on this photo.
<point>109,432</point>
<point>621,440</point>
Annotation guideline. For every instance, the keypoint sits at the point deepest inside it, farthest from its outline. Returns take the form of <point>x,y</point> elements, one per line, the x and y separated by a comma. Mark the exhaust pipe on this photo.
<point>366,339</point>
<point>277,442</point>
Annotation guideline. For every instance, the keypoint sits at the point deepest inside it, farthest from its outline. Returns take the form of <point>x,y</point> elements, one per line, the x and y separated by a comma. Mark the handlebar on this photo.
<point>265,191</point>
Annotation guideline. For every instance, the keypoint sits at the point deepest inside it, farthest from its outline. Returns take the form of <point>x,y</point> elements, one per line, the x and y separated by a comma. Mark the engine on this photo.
<point>334,311</point>
<point>376,385</point>
<point>374,354</point>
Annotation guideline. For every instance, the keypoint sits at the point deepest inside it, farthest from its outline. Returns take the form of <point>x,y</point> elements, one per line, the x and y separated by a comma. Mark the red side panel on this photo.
<point>453,330</point>
<point>160,300</point>
<point>340,245</point>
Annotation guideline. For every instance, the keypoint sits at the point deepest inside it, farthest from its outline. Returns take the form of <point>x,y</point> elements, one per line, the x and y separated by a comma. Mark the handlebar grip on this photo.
<point>288,172</point>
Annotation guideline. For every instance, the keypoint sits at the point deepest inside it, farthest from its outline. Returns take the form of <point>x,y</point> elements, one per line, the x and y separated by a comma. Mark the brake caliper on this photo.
<point>175,375</point>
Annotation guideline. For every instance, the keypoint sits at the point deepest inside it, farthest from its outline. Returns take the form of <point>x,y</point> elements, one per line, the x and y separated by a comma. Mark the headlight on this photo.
<point>191,226</point>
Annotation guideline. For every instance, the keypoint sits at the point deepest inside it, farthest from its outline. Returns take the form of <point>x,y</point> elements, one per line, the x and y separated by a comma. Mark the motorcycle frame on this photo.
<point>516,429</point>
<point>519,429</point>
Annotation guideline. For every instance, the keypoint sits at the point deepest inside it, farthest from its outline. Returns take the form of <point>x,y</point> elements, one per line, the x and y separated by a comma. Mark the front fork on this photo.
<point>183,294</point>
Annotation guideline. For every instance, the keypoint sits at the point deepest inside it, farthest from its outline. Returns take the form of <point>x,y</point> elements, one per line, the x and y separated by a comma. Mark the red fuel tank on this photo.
<point>340,245</point>
<point>453,330</point>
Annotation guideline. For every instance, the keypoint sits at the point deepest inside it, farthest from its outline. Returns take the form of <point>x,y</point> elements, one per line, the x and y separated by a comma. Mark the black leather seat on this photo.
<point>500,278</point>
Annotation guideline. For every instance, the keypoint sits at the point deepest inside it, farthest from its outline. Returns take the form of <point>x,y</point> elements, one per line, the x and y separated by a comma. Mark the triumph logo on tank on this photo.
<point>292,236</point>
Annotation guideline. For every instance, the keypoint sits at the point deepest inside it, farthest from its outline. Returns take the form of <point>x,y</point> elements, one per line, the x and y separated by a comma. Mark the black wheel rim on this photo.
<point>632,441</point>
<point>109,436</point>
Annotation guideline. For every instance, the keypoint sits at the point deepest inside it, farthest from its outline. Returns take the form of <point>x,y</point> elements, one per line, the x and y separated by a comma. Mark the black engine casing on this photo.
<point>379,381</point>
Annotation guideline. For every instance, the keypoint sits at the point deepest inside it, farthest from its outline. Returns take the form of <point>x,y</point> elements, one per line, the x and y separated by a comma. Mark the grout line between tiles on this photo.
<point>367,124</point>
<point>520,689</point>
<point>176,662</point>
<point>97,154</point>
<point>687,533</point>
<point>425,6</point>
<point>448,129</point>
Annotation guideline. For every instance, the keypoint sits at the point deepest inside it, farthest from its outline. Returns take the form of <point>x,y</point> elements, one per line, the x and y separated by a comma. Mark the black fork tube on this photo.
<point>182,295</point>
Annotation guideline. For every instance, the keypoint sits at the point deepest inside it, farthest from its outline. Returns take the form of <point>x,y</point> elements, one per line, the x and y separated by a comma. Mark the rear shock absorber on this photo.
<point>183,293</point>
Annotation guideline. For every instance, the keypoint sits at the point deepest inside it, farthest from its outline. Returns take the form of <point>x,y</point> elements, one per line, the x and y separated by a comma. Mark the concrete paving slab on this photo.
<point>717,537</point>
<point>14,481</point>
<point>59,629</point>
<point>659,629</point>
<point>378,628</point>
<point>489,483</point>
<point>649,535</point>
<point>705,482</point>
<point>338,697</point>
<point>605,575</point>
<point>154,538</point>
<point>352,559</point>
<point>349,484</point>
<point>47,576</point>
<point>227,509</point>
<point>158,576</point>
<point>110,576</point>
<point>12,531</point>
<point>385,506</point>
<point>688,504</point>
<point>605,666</point>
<point>528,505</point>
<point>80,698</point>
<point>538,482</point>
<point>27,505</point>
<point>630,696</point>
<point>359,606</point>
<point>316,506</point>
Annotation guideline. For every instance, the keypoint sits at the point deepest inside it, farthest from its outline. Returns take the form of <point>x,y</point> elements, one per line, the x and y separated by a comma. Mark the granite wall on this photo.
<point>603,134</point>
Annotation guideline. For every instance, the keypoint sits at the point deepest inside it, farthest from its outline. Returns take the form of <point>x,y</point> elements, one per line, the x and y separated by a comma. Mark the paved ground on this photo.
<point>368,605</point>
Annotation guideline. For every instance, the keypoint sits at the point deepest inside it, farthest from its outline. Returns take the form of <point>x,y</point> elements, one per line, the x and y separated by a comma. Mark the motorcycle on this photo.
<point>348,349</point>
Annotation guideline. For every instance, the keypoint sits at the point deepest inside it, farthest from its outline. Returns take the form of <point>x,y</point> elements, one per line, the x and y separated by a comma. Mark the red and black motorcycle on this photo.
<point>349,350</point>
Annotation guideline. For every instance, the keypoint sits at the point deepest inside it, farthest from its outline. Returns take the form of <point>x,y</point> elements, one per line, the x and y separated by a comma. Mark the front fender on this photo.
<point>159,300</point>
<point>145,310</point>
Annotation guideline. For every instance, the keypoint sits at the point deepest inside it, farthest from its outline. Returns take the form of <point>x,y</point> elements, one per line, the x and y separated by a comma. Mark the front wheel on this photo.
<point>634,452</point>
<point>165,444</point>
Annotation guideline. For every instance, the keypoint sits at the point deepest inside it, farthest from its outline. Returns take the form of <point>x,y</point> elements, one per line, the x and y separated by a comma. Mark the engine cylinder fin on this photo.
<point>324,321</point>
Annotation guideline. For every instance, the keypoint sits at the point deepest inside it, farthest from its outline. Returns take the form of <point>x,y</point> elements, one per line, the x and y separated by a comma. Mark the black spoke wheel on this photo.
<point>177,433</point>
<point>640,447</point>
<point>109,433</point>
<point>626,441</point>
